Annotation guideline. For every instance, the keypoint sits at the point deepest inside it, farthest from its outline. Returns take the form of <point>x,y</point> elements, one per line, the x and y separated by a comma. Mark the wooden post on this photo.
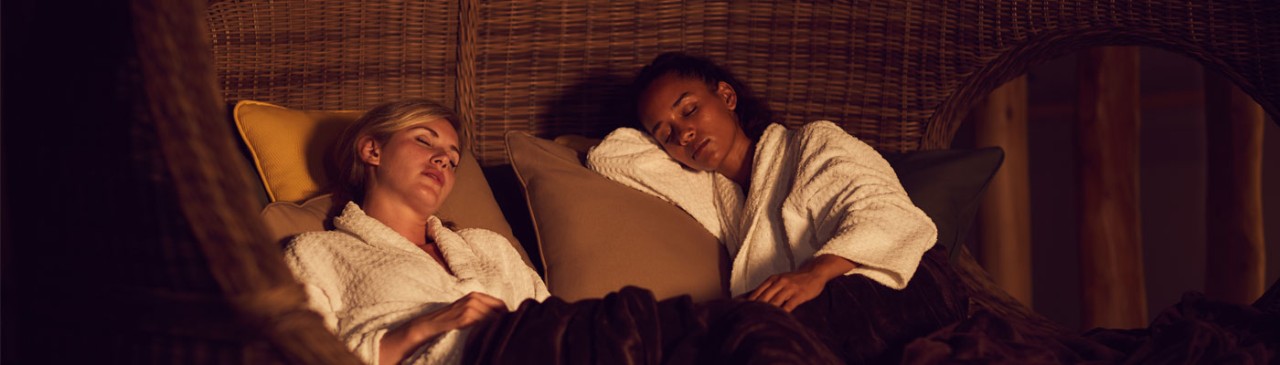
<point>1005,216</point>
<point>1113,293</point>
<point>1235,253</point>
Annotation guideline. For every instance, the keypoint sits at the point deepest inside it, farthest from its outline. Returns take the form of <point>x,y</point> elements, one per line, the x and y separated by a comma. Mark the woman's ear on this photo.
<point>370,151</point>
<point>728,94</point>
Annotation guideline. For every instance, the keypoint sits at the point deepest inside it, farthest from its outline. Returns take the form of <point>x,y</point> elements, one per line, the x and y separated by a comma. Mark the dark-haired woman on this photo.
<point>796,209</point>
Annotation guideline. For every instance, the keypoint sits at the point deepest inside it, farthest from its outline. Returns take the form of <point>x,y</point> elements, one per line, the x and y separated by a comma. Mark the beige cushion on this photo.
<point>288,147</point>
<point>286,219</point>
<point>597,235</point>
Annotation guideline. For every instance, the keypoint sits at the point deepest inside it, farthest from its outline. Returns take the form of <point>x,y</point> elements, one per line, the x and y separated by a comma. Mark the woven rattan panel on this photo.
<point>899,74</point>
<point>335,54</point>
<point>557,67</point>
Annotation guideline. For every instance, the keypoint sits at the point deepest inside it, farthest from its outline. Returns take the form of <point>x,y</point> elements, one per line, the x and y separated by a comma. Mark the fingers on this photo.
<point>476,307</point>
<point>792,303</point>
<point>786,291</point>
<point>763,289</point>
<point>779,297</point>
<point>485,299</point>
<point>775,290</point>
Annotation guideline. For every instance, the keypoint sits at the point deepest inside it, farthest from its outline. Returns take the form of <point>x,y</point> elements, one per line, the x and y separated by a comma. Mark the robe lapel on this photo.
<point>462,260</point>
<point>764,249</point>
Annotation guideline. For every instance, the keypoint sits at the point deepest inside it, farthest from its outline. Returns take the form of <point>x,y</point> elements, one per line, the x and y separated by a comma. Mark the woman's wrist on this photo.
<point>420,330</point>
<point>828,266</point>
<point>393,346</point>
<point>400,342</point>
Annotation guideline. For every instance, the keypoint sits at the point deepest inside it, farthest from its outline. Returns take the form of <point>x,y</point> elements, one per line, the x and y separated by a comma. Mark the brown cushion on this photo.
<point>597,235</point>
<point>287,147</point>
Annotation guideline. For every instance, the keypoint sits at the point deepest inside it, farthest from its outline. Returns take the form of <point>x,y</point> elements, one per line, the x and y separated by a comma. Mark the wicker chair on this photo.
<point>206,286</point>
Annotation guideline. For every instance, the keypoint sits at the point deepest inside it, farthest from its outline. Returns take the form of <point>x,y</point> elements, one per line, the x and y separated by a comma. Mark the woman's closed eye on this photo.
<point>659,135</point>
<point>689,112</point>
<point>453,161</point>
<point>670,134</point>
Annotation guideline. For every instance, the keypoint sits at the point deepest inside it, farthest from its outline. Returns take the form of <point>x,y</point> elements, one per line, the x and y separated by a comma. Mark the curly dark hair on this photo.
<point>753,114</point>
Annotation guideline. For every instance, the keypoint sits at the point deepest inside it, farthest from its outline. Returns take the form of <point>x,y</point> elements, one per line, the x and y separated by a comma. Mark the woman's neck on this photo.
<point>737,165</point>
<point>399,217</point>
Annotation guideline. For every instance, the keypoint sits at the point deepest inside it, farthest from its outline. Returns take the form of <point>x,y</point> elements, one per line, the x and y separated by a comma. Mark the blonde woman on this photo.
<point>390,279</point>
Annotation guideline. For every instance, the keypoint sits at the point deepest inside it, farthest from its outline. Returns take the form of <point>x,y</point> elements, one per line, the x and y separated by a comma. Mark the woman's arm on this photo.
<point>862,220</point>
<point>789,290</point>
<point>473,308</point>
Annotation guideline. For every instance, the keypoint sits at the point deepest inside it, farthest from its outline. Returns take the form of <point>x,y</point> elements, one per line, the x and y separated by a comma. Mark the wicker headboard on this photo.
<point>898,74</point>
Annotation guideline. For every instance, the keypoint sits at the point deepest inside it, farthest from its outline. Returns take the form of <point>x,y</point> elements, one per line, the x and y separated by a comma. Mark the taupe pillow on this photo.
<point>597,236</point>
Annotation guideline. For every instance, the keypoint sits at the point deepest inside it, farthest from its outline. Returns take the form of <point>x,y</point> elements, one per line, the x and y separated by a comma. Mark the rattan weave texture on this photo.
<point>899,74</point>
<point>335,54</point>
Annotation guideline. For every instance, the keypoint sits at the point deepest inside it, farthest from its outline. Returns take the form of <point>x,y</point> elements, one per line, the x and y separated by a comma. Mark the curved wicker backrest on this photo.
<point>898,74</point>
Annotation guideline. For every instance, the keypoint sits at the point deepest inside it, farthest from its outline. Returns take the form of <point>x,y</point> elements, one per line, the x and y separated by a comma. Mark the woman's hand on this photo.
<point>790,290</point>
<point>472,308</point>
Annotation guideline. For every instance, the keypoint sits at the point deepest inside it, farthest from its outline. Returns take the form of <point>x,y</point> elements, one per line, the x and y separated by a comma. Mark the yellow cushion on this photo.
<point>280,141</point>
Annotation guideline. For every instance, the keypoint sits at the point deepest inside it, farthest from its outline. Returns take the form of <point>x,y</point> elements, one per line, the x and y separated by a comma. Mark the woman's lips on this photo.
<point>698,150</point>
<point>435,175</point>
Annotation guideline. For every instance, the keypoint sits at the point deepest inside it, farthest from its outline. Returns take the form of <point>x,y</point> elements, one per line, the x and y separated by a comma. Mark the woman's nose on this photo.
<point>686,136</point>
<point>441,161</point>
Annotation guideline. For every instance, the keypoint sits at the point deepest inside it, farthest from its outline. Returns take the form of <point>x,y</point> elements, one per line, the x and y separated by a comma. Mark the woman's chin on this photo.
<point>711,162</point>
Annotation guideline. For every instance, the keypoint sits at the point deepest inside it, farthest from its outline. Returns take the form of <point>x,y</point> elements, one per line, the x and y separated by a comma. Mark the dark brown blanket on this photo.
<point>630,327</point>
<point>855,321</point>
<point>1194,331</point>
<point>864,322</point>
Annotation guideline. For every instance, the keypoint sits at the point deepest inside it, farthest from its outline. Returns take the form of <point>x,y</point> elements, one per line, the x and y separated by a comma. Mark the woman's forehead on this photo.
<point>676,81</point>
<point>440,126</point>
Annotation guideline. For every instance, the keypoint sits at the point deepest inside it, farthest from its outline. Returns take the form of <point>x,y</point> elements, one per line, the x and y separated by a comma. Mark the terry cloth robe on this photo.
<point>816,190</point>
<point>366,279</point>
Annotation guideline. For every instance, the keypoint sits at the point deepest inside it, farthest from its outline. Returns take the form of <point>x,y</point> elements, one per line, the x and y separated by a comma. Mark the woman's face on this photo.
<point>695,124</point>
<point>417,165</point>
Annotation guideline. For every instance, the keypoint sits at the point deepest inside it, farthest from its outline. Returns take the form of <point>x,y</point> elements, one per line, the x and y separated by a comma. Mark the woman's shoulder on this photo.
<point>489,245</point>
<point>826,135</point>
<point>825,148</point>
<point>825,130</point>
<point>480,235</point>
<point>319,243</point>
<point>483,239</point>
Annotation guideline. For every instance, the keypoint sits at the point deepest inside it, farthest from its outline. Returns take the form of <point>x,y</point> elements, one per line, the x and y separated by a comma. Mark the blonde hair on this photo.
<point>379,124</point>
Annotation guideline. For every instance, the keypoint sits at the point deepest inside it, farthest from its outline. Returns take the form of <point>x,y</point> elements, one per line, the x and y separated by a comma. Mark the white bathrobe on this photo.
<point>365,279</point>
<point>816,190</point>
